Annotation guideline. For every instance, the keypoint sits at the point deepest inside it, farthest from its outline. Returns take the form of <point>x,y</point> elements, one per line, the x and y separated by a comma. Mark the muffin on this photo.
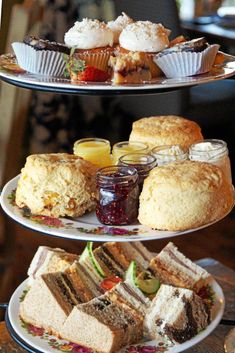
<point>57,185</point>
<point>187,58</point>
<point>184,195</point>
<point>118,25</point>
<point>166,130</point>
<point>40,56</point>
<point>147,37</point>
<point>92,41</point>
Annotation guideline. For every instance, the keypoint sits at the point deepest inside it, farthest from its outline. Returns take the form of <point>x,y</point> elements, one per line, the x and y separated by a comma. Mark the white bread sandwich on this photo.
<point>47,260</point>
<point>57,185</point>
<point>175,315</point>
<point>172,267</point>
<point>102,325</point>
<point>114,259</point>
<point>52,297</point>
<point>130,295</point>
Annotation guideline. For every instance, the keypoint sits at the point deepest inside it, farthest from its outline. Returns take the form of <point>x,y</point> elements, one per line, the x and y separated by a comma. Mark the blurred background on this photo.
<point>36,122</point>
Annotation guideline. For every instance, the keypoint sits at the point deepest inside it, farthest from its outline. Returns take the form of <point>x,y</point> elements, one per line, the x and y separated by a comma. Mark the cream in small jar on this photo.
<point>212,151</point>
<point>168,154</point>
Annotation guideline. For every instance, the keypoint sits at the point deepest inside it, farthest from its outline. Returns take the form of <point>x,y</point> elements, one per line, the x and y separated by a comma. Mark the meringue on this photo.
<point>144,36</point>
<point>89,34</point>
<point>118,25</point>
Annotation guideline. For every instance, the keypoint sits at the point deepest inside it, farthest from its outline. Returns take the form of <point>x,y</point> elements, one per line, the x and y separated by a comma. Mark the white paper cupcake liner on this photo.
<point>187,63</point>
<point>42,62</point>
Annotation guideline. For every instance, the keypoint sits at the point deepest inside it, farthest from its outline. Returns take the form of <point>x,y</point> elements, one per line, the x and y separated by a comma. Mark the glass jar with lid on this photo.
<point>124,147</point>
<point>212,151</point>
<point>168,154</point>
<point>118,195</point>
<point>143,163</point>
<point>94,150</point>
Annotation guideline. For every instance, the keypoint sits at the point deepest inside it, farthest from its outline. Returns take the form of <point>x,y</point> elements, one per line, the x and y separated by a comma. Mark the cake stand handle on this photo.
<point>3,305</point>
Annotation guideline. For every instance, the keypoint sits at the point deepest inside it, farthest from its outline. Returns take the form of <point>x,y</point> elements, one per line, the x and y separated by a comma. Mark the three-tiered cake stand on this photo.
<point>88,228</point>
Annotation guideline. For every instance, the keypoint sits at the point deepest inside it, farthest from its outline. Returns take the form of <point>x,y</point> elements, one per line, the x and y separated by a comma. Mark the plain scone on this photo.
<point>184,195</point>
<point>166,130</point>
<point>57,185</point>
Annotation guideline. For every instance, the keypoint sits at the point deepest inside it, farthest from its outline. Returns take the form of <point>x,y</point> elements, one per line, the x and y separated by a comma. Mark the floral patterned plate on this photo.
<point>11,73</point>
<point>85,228</point>
<point>39,340</point>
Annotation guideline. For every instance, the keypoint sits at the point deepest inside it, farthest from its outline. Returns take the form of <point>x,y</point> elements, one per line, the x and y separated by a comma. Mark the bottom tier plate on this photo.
<point>37,340</point>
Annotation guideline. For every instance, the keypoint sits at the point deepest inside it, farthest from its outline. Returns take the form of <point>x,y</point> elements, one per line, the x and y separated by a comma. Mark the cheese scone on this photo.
<point>184,195</point>
<point>166,130</point>
<point>57,185</point>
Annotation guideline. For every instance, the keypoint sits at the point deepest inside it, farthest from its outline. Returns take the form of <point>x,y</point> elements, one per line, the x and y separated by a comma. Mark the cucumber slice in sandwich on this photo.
<point>131,273</point>
<point>145,281</point>
<point>88,254</point>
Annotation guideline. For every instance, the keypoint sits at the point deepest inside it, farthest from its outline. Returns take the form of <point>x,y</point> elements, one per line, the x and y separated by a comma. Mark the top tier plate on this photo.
<point>159,85</point>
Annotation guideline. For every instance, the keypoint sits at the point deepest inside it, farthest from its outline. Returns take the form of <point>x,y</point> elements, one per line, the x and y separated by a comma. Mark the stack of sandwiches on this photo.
<point>71,303</point>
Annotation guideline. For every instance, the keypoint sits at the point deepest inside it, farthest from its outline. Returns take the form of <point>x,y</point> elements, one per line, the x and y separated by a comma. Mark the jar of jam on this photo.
<point>118,195</point>
<point>124,147</point>
<point>212,151</point>
<point>143,163</point>
<point>168,154</point>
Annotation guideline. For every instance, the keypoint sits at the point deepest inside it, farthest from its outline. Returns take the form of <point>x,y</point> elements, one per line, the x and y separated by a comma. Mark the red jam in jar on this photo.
<point>143,163</point>
<point>118,195</point>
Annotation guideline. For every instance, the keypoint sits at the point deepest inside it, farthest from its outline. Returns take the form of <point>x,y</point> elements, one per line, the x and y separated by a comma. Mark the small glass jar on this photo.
<point>212,151</point>
<point>168,154</point>
<point>118,195</point>
<point>143,163</point>
<point>124,147</point>
<point>94,150</point>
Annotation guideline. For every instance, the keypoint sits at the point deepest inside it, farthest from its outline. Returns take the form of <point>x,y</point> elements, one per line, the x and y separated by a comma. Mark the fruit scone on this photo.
<point>57,184</point>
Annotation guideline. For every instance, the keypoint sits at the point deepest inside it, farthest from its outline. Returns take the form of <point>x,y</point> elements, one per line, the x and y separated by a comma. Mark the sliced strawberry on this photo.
<point>110,282</point>
<point>91,73</point>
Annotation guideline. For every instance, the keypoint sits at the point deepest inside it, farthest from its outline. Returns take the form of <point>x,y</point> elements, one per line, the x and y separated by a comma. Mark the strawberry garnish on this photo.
<point>110,282</point>
<point>78,70</point>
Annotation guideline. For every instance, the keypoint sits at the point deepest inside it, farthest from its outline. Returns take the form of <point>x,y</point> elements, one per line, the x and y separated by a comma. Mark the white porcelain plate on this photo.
<point>39,340</point>
<point>161,84</point>
<point>83,228</point>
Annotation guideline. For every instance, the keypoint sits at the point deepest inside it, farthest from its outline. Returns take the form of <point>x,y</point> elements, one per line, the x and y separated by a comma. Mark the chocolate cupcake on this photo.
<point>40,56</point>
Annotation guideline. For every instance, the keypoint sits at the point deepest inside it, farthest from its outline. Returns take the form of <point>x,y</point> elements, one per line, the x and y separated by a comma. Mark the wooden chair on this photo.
<point>14,104</point>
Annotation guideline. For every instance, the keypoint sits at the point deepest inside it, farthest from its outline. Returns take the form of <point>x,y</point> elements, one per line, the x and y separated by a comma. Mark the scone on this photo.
<point>166,130</point>
<point>184,195</point>
<point>57,185</point>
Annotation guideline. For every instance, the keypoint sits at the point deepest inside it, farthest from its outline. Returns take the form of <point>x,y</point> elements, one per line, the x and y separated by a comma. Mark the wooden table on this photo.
<point>212,344</point>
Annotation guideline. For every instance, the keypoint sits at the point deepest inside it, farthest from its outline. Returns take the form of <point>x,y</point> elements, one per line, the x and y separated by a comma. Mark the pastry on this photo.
<point>130,68</point>
<point>57,185</point>
<point>166,130</point>
<point>187,58</point>
<point>118,25</point>
<point>146,37</point>
<point>40,56</point>
<point>184,195</point>
<point>175,315</point>
<point>92,41</point>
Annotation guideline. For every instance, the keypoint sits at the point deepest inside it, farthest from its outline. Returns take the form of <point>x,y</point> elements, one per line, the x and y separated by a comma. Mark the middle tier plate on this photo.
<point>85,228</point>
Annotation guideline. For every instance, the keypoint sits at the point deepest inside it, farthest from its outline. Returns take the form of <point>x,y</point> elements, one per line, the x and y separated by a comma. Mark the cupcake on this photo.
<point>40,56</point>
<point>187,59</point>
<point>147,37</point>
<point>91,41</point>
<point>118,25</point>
